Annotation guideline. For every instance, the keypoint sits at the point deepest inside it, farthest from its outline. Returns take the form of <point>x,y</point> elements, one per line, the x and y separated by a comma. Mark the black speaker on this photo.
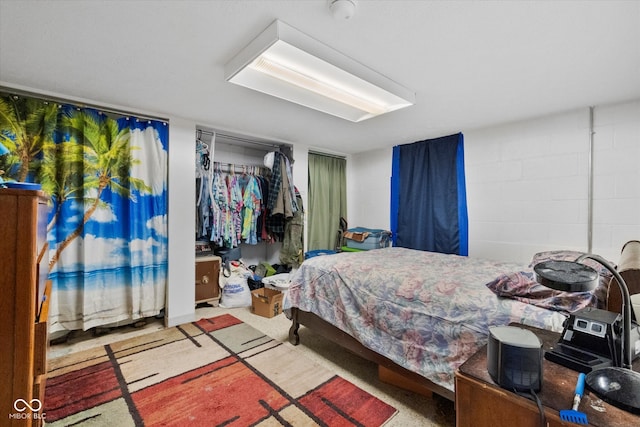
<point>514,358</point>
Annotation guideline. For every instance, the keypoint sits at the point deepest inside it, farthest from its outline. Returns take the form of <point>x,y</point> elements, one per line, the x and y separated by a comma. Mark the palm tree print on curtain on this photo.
<point>106,179</point>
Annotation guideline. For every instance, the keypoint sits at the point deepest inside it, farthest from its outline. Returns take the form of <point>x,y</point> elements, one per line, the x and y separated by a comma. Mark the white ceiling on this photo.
<point>471,64</point>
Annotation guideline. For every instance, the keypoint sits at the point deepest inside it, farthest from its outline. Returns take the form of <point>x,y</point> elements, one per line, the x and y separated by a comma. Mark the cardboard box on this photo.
<point>266,302</point>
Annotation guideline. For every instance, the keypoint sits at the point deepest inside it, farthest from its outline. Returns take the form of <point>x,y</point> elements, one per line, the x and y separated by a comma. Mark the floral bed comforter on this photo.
<point>426,311</point>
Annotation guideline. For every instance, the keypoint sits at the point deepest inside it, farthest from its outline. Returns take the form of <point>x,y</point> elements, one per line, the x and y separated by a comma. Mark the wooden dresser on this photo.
<point>23,306</point>
<point>207,279</point>
<point>482,403</point>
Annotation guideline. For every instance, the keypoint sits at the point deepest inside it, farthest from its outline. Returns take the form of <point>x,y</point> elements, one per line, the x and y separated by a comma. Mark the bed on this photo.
<point>419,315</point>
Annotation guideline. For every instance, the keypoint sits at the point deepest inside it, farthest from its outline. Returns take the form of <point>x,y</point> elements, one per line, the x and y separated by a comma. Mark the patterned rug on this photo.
<point>214,372</point>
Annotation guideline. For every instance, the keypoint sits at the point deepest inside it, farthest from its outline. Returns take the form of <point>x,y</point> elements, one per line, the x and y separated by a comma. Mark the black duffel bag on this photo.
<point>227,255</point>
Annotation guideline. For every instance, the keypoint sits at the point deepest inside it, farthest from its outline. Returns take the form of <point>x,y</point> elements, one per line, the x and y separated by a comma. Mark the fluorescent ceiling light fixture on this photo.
<point>285,63</point>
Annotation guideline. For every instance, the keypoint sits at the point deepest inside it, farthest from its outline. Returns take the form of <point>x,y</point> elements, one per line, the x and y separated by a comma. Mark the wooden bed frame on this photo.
<point>391,372</point>
<point>388,371</point>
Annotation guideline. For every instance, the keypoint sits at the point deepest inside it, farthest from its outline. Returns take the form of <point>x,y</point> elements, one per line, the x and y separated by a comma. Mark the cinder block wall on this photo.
<point>617,178</point>
<point>527,184</point>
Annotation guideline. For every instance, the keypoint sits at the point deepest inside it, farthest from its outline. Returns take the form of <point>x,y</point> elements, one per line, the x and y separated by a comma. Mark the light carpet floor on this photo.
<point>414,409</point>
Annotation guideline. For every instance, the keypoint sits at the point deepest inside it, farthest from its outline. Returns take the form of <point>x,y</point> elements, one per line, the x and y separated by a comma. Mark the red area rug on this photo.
<point>214,372</point>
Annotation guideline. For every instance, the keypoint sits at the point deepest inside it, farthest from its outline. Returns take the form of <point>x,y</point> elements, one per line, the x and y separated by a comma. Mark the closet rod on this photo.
<point>239,139</point>
<point>317,153</point>
<point>239,168</point>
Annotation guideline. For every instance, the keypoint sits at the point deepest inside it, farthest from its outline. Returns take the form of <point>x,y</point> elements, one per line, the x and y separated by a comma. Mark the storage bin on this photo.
<point>207,279</point>
<point>376,239</point>
<point>318,252</point>
<point>348,249</point>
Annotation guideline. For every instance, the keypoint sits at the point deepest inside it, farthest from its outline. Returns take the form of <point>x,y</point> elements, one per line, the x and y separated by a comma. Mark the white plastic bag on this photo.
<point>235,293</point>
<point>235,289</point>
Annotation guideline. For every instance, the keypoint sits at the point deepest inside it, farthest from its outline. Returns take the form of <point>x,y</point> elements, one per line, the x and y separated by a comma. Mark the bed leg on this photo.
<point>294,338</point>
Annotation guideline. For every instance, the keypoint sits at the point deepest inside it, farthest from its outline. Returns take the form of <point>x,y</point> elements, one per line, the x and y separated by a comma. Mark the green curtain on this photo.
<point>327,199</point>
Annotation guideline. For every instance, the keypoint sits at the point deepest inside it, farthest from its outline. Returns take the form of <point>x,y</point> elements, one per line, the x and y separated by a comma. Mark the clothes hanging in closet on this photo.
<point>281,203</point>
<point>234,207</point>
<point>231,206</point>
<point>251,209</point>
<point>292,249</point>
<point>203,182</point>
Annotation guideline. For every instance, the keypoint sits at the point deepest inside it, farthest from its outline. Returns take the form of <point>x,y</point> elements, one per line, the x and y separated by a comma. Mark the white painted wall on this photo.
<point>180,306</point>
<point>369,189</point>
<point>527,184</point>
<point>617,178</point>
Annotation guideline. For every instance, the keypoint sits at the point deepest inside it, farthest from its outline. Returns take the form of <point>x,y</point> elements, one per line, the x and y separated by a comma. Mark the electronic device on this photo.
<point>591,339</point>
<point>514,358</point>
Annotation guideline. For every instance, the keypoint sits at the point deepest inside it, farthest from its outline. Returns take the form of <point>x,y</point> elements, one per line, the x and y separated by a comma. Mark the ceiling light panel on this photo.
<point>288,64</point>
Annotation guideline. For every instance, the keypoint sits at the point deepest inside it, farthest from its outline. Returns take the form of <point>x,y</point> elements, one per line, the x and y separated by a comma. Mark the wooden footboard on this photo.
<point>390,372</point>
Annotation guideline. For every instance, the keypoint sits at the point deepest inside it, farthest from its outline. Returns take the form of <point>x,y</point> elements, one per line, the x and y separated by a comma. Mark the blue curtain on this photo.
<point>106,177</point>
<point>428,196</point>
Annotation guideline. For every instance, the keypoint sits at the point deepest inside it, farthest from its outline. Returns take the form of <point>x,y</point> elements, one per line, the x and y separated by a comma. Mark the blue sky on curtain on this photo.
<point>106,176</point>
<point>428,196</point>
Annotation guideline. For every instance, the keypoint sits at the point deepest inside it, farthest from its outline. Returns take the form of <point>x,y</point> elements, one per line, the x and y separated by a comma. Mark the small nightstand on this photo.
<point>480,402</point>
<point>208,279</point>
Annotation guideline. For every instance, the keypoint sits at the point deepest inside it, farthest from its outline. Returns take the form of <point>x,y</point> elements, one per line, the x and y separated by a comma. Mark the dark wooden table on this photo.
<point>481,402</point>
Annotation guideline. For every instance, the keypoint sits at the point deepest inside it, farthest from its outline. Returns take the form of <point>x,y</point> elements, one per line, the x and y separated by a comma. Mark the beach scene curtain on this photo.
<point>105,175</point>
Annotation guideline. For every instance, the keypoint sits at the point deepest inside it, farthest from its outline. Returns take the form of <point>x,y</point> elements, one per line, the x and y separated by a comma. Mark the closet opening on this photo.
<point>246,200</point>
